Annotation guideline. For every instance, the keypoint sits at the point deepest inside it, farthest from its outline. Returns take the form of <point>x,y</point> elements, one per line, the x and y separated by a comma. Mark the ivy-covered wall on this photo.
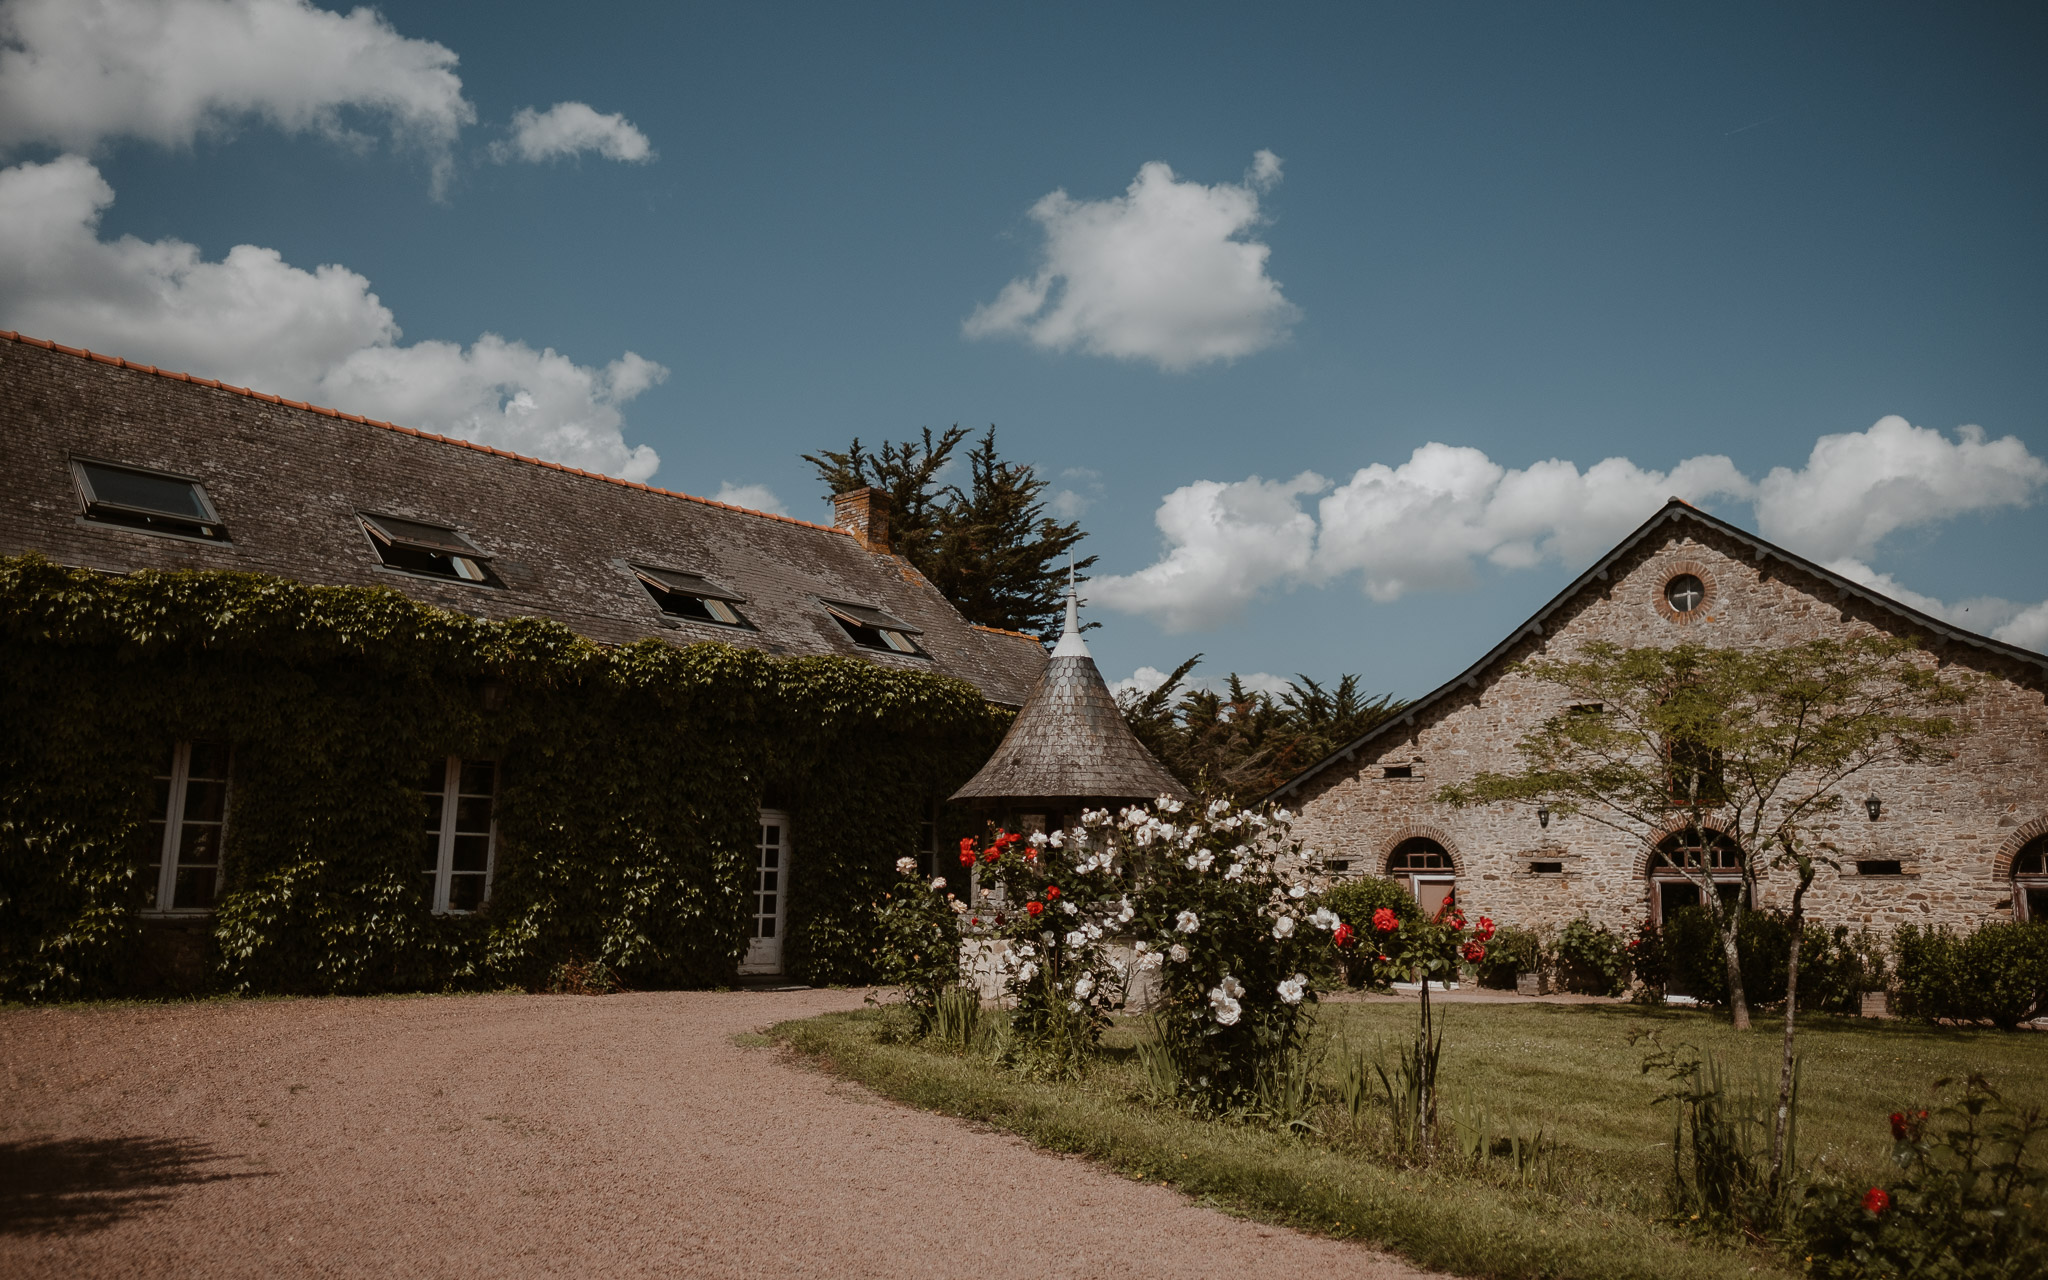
<point>629,780</point>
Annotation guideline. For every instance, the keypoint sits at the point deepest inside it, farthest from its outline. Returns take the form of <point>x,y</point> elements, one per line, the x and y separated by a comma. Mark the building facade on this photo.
<point>1958,841</point>
<point>117,469</point>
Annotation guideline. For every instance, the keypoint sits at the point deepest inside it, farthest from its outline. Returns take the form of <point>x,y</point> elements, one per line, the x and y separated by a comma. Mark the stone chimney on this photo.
<point>864,513</point>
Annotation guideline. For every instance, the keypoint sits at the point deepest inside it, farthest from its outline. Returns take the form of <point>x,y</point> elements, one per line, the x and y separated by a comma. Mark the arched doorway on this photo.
<point>1426,868</point>
<point>2030,881</point>
<point>1678,859</point>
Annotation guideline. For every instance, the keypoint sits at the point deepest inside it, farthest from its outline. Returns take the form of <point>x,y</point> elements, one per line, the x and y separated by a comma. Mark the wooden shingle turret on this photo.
<point>1069,748</point>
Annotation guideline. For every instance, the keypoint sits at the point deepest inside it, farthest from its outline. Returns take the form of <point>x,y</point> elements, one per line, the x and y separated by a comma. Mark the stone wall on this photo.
<point>1953,826</point>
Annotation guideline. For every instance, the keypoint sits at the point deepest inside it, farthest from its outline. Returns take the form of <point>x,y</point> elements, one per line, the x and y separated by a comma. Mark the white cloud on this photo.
<point>568,129</point>
<point>1162,273</point>
<point>1425,524</point>
<point>1227,542</point>
<point>754,497</point>
<point>1859,486</point>
<point>78,73</point>
<point>1986,615</point>
<point>320,335</point>
<point>1145,679</point>
<point>1432,521</point>
<point>1137,684</point>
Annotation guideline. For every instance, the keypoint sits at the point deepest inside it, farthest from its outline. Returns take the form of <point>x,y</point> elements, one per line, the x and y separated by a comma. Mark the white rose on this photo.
<point>1026,971</point>
<point>1179,953</point>
<point>1298,891</point>
<point>1070,908</point>
<point>1077,939</point>
<point>1187,922</point>
<point>1293,989</point>
<point>1084,985</point>
<point>938,884</point>
<point>904,866</point>
<point>1283,927</point>
<point>1324,919</point>
<point>1056,839</point>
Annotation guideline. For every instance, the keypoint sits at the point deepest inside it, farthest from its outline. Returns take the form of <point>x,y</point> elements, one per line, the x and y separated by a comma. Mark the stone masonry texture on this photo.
<point>1953,825</point>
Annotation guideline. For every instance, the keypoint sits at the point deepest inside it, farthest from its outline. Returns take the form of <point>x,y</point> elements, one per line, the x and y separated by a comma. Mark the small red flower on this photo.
<point>1898,1126</point>
<point>1474,952</point>
<point>1877,1200</point>
<point>1004,839</point>
<point>1485,933</point>
<point>1344,936</point>
<point>1001,920</point>
<point>966,843</point>
<point>975,920</point>
<point>991,856</point>
<point>1034,907</point>
<point>1383,960</point>
<point>967,857</point>
<point>1385,920</point>
<point>1052,892</point>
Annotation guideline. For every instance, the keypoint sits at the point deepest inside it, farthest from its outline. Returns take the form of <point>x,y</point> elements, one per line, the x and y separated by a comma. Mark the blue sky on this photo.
<point>1519,233</point>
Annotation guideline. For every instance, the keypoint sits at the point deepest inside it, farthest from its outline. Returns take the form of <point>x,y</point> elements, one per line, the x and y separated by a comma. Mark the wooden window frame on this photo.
<point>172,842</point>
<point>207,526</point>
<point>444,872</point>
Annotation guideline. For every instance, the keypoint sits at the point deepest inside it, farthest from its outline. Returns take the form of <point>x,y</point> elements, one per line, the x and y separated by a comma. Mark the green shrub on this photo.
<point>920,941</point>
<point>1512,951</point>
<point>1354,900</point>
<point>1592,958</point>
<point>1835,966</point>
<point>1996,974</point>
<point>1648,959</point>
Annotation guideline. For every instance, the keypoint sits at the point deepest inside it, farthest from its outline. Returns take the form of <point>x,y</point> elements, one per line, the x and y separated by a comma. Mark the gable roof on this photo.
<point>1675,511</point>
<point>293,482</point>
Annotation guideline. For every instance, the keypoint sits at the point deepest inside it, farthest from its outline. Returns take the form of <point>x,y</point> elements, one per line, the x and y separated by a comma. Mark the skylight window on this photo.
<point>685,595</point>
<point>429,550</point>
<point>871,628</point>
<point>148,500</point>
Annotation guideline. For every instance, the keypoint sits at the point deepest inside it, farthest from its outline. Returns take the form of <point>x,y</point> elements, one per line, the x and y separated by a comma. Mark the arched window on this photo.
<point>2030,880</point>
<point>1677,861</point>
<point>1426,868</point>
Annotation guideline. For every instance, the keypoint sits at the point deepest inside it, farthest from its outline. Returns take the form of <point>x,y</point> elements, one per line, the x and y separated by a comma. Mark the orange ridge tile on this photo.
<point>9,335</point>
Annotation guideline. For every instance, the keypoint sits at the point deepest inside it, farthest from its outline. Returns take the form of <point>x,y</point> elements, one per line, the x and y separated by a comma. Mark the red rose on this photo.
<point>1474,952</point>
<point>1052,891</point>
<point>966,843</point>
<point>1034,907</point>
<point>1485,933</point>
<point>1385,920</point>
<point>1877,1200</point>
<point>1898,1126</point>
<point>1000,920</point>
<point>1344,936</point>
<point>991,856</point>
<point>975,920</point>
<point>967,857</point>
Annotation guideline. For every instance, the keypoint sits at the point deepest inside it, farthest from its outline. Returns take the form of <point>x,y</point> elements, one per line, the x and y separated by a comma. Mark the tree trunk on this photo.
<point>1782,1130</point>
<point>1738,1000</point>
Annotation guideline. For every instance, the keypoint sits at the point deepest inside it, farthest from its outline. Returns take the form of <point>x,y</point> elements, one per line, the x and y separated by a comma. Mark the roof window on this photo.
<point>429,550</point>
<point>685,595</point>
<point>148,500</point>
<point>871,628</point>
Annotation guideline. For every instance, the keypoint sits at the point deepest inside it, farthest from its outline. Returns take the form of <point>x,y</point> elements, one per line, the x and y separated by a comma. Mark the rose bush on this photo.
<point>919,952</point>
<point>1228,919</point>
<point>1057,902</point>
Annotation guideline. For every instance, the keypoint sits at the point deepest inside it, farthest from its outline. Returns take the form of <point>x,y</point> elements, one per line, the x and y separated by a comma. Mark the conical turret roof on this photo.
<point>1070,741</point>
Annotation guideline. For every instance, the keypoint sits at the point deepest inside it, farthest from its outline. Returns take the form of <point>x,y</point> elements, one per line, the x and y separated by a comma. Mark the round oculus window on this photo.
<point>1685,593</point>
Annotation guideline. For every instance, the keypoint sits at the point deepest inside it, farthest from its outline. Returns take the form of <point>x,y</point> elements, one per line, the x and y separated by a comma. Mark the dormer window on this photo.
<point>429,550</point>
<point>148,500</point>
<point>685,595</point>
<point>871,628</point>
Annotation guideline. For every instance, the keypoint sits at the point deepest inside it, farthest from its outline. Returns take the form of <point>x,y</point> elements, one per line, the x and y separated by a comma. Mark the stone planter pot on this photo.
<point>1531,984</point>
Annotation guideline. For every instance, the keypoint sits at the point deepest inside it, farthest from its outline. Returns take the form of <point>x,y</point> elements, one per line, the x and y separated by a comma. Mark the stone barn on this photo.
<point>1958,842</point>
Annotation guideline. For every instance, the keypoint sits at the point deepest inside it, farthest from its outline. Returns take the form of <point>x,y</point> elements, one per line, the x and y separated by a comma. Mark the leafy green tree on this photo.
<point>1241,744</point>
<point>990,548</point>
<point>1759,745</point>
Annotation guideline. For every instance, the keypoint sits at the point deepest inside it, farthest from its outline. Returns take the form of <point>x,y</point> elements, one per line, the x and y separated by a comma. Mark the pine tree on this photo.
<point>989,548</point>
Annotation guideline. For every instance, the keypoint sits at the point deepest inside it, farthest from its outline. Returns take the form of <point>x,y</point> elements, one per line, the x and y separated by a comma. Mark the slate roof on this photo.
<point>290,481</point>
<point>1676,511</point>
<point>1070,741</point>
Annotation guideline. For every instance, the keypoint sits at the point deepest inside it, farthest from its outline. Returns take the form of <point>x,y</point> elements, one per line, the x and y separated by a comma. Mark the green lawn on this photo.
<point>1570,1068</point>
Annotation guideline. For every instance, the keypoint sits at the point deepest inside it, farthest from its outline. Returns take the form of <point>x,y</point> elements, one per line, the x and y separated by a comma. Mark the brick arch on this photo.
<point>1670,569</point>
<point>1419,831</point>
<point>1670,829</point>
<point>2001,866</point>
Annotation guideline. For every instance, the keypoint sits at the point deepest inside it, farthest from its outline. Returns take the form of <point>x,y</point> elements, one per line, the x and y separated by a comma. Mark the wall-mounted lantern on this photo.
<point>1873,806</point>
<point>1543,816</point>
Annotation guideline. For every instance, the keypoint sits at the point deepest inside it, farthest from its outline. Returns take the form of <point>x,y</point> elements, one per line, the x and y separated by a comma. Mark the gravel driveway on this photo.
<point>514,1135</point>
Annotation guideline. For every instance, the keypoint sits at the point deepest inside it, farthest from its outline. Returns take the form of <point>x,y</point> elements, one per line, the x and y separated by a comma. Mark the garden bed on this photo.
<point>1596,1206</point>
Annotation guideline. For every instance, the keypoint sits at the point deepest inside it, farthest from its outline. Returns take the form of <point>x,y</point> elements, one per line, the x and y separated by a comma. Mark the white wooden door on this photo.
<point>771,894</point>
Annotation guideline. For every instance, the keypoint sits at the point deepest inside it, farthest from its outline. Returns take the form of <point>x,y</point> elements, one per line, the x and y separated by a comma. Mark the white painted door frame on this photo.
<point>771,894</point>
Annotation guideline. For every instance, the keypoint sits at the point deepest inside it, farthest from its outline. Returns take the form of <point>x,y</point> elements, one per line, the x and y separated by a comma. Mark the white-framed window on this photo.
<point>461,840</point>
<point>185,829</point>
